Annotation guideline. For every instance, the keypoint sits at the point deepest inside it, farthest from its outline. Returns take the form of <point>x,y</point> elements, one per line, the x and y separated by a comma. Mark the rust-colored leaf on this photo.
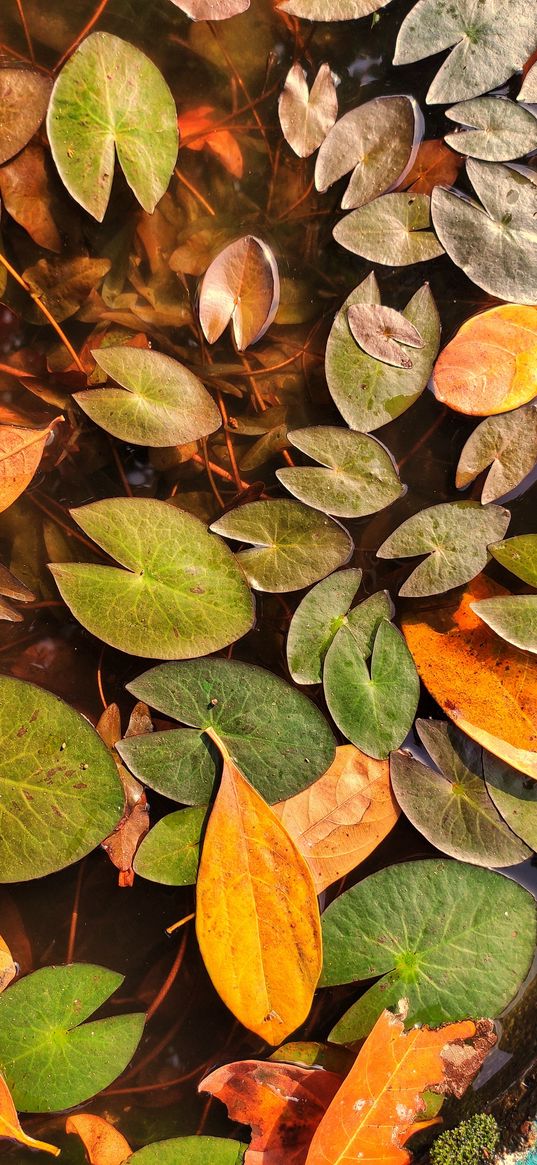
<point>241,286</point>
<point>25,190</point>
<point>103,1143</point>
<point>10,1128</point>
<point>8,968</point>
<point>434,165</point>
<point>221,142</point>
<point>490,366</point>
<point>122,844</point>
<point>12,588</point>
<point>20,453</point>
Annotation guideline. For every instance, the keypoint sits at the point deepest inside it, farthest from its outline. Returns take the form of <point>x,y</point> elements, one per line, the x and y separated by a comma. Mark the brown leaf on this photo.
<point>10,1128</point>
<point>8,968</point>
<point>307,117</point>
<point>103,1143</point>
<point>24,97</point>
<point>13,589</point>
<point>20,453</point>
<point>123,843</point>
<point>25,189</point>
<point>380,331</point>
<point>241,285</point>
<point>463,1061</point>
<point>64,284</point>
<point>435,165</point>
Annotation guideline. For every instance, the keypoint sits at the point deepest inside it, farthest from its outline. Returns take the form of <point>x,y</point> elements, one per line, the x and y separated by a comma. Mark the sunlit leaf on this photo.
<point>513,617</point>
<point>393,230</point>
<point>220,142</point>
<point>241,287</point>
<point>519,555</point>
<point>381,332</point>
<point>332,9</point>
<point>528,91</point>
<point>104,1144</point>
<point>490,366</point>
<point>10,1126</point>
<point>211,9</point>
<point>24,96</point>
<point>8,968</point>
<point>501,129</point>
<point>360,477</point>
<point>110,97</point>
<point>316,620</point>
<point>20,453</point>
<point>25,191</point>
<point>190,1151</point>
<point>375,141</point>
<point>306,117</point>
<point>514,796</point>
<point>508,444</point>
<point>64,284</point>
<point>434,165</point>
<point>170,852</point>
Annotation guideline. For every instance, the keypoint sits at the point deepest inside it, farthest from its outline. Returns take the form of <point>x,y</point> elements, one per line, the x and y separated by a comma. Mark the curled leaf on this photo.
<point>306,117</point>
<point>241,286</point>
<point>380,331</point>
<point>490,365</point>
<point>10,1126</point>
<point>103,1143</point>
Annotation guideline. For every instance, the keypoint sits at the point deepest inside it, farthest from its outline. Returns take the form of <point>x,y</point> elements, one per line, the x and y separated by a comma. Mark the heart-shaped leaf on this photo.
<point>376,141</point>
<point>212,9</point>
<point>508,444</point>
<point>361,477</point>
<point>513,617</point>
<point>501,129</point>
<point>381,332</point>
<point>170,852</point>
<point>514,796</point>
<point>24,96</point>
<point>181,593</point>
<point>519,555</point>
<point>190,1151</point>
<point>332,9</point>
<point>490,365</point>
<point>318,617</point>
<point>364,620</point>
<point>241,287</point>
<point>393,230</point>
<point>306,117</point>
<point>21,451</point>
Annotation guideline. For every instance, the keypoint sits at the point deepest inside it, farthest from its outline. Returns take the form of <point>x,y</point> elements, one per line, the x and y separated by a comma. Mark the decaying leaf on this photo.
<point>508,443</point>
<point>20,453</point>
<point>490,366</point>
<point>10,1128</point>
<point>12,588</point>
<point>24,96</point>
<point>376,141</point>
<point>384,333</point>
<point>122,844</point>
<point>64,284</point>
<point>306,117</point>
<point>211,9</point>
<point>434,165</point>
<point>104,1144</point>
<point>220,142</point>
<point>241,286</point>
<point>25,191</point>
<point>8,968</point>
<point>393,230</point>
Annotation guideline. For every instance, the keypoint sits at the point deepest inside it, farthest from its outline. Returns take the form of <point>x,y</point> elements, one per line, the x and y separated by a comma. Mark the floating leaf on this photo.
<point>434,165</point>
<point>20,453</point>
<point>364,620</point>
<point>493,243</point>
<point>519,555</point>
<point>24,96</point>
<point>501,129</point>
<point>332,9</point>
<point>52,1059</point>
<point>170,852</point>
<point>513,617</point>
<point>488,48</point>
<point>490,365</point>
<point>338,822</point>
<point>528,90</point>
<point>13,589</point>
<point>110,97</point>
<point>103,1143</point>
<point>367,392</point>
<point>318,617</point>
<point>449,937</point>
<point>212,10</point>
<point>361,477</point>
<point>64,284</point>
<point>10,1126</point>
<point>190,1150</point>
<point>25,191</point>
<point>200,122</point>
<point>307,117</point>
<point>160,403</point>
<point>514,796</point>
<point>293,545</point>
<point>450,805</point>
<point>508,444</point>
<point>241,287</point>
<point>380,331</point>
<point>375,141</point>
<point>8,968</point>
<point>393,230</point>
<point>181,593</point>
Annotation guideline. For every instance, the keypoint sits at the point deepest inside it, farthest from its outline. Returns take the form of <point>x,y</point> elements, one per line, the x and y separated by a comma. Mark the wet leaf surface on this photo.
<point>316,620</point>
<point>508,444</point>
<point>306,117</point>
<point>360,477</point>
<point>489,365</point>
<point>242,287</point>
<point>375,141</point>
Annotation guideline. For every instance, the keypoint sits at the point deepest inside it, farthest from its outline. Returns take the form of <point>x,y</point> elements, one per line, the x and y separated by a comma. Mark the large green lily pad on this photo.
<point>393,229</point>
<point>360,477</point>
<point>316,620</point>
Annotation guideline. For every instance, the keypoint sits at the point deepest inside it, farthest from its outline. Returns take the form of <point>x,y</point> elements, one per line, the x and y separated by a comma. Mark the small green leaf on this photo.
<point>514,796</point>
<point>393,230</point>
<point>190,1151</point>
<point>376,141</point>
<point>316,620</point>
<point>513,617</point>
<point>361,478</point>
<point>508,443</point>
<point>170,852</point>
<point>519,555</point>
<point>502,130</point>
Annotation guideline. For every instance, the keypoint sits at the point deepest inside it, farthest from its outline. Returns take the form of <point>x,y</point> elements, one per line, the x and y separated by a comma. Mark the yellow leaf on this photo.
<point>490,366</point>
<point>10,1127</point>
<point>103,1143</point>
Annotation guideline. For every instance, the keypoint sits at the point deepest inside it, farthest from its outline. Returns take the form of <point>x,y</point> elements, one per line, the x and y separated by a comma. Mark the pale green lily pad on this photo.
<point>519,555</point>
<point>160,403</point>
<point>494,244</point>
<point>454,535</point>
<point>393,229</point>
<point>501,129</point>
<point>50,1057</point>
<point>181,593</point>
<point>528,91</point>
<point>316,620</point>
<point>111,97</point>
<point>450,805</point>
<point>361,477</point>
<point>508,443</point>
<point>453,939</point>
<point>514,796</point>
<point>376,140</point>
<point>513,617</point>
<point>367,392</point>
<point>169,853</point>
<point>491,43</point>
<point>332,9</point>
<point>294,546</point>
<point>190,1151</point>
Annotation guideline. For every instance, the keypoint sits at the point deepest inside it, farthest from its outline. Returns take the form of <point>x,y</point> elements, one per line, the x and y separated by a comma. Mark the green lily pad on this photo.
<point>316,620</point>
<point>393,229</point>
<point>110,97</point>
<point>170,851</point>
<point>528,91</point>
<point>160,402</point>
<point>376,141</point>
<point>294,546</point>
<point>501,129</point>
<point>60,794</point>
<point>519,555</point>
<point>454,535</point>
<point>488,47</point>
<point>190,1151</point>
<point>494,244</point>
<point>453,939</point>
<point>513,617</point>
<point>332,9</point>
<point>515,797</point>
<point>181,593</point>
<point>367,392</point>
<point>508,443</point>
<point>276,735</point>
<point>364,620</point>
<point>361,477</point>
<point>50,1058</point>
<point>450,805</point>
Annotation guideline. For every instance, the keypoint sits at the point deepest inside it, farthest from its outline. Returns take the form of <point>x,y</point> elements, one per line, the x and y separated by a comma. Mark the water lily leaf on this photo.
<point>20,453</point>
<point>393,230</point>
<point>373,708</point>
<point>241,286</point>
<point>367,392</point>
<point>10,1125</point>
<point>488,49</point>
<point>181,593</point>
<point>513,617</point>
<point>494,244</point>
<point>283,750</point>
<point>63,284</point>
<point>451,938</point>
<point>364,620</point>
<point>508,444</point>
<point>110,97</point>
<point>306,117</point>
<point>380,331</point>
<point>294,546</point>
<point>170,852</point>
<point>50,1057</point>
<point>338,821</point>
<point>361,477</point>
<point>528,91</point>
<point>434,165</point>
<point>316,620</point>
<point>501,129</point>
<point>61,794</point>
<point>103,1143</point>
<point>332,9</point>
<point>376,141</point>
<point>190,1150</point>
<point>455,535</point>
<point>514,796</point>
<point>212,10</point>
<point>490,366</point>
<point>450,805</point>
<point>24,96</point>
<point>160,403</point>
<point>25,190</point>
<point>519,555</point>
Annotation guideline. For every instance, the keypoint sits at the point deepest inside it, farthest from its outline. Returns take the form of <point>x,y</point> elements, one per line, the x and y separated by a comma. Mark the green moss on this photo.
<point>472,1143</point>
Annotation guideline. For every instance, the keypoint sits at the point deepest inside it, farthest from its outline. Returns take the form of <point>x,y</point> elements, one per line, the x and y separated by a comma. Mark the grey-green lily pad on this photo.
<point>376,141</point>
<point>275,734</point>
<point>180,594</point>
<point>361,477</point>
<point>454,535</point>
<point>374,708</point>
<point>190,1151</point>
<point>512,617</point>
<point>60,794</point>
<point>160,402</point>
<point>169,853</point>
<point>293,545</point>
<point>501,129</point>
<point>367,392</point>
<point>490,44</point>
<point>451,938</point>
<point>508,443</point>
<point>110,97</point>
<point>515,797</point>
<point>50,1057</point>
<point>316,621</point>
<point>450,805</point>
<point>528,91</point>
<point>493,243</point>
<point>519,555</point>
<point>393,229</point>
<point>332,9</point>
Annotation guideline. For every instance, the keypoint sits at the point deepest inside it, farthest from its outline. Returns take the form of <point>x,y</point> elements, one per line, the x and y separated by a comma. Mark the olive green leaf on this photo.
<point>332,9</point>
<point>24,96</point>
<point>170,851</point>
<point>450,805</point>
<point>508,443</point>
<point>316,620</point>
<point>293,545</point>
<point>160,402</point>
<point>528,91</point>
<point>180,594</point>
<point>515,797</point>
<point>454,535</point>
<point>488,47</point>
<point>519,555</point>
<point>364,620</point>
<point>513,617</point>
<point>393,230</point>
<point>453,939</point>
<point>50,1058</point>
<point>494,244</point>
<point>376,141</point>
<point>110,96</point>
<point>190,1151</point>
<point>501,129</point>
<point>60,794</point>
<point>278,738</point>
<point>361,477</point>
<point>368,392</point>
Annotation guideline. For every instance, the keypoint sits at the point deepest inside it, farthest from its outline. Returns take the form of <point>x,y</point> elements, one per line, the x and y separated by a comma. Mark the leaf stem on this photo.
<point>42,308</point>
<point>182,922</point>
<point>195,192</point>
<point>26,30</point>
<point>169,980</point>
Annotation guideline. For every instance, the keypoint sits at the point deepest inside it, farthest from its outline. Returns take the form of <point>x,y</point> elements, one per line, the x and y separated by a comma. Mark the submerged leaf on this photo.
<point>318,617</point>
<point>224,146</point>
<point>25,191</point>
<point>434,165</point>
<point>331,9</point>
<point>10,1126</point>
<point>20,453</point>
<point>103,1143</point>
<point>64,284</point>
<point>170,852</point>
<point>508,444</point>
<point>501,129</point>
<point>241,287</point>
<point>360,477</point>
<point>380,331</point>
<point>24,96</point>
<point>375,141</point>
<point>490,365</point>
<point>306,117</point>
<point>393,230</point>
<point>513,617</point>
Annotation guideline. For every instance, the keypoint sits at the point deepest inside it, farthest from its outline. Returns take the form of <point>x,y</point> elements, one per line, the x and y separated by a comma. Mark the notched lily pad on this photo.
<point>360,478</point>
<point>241,287</point>
<point>500,129</point>
<point>306,117</point>
<point>393,229</point>
<point>384,333</point>
<point>377,141</point>
<point>508,444</point>
<point>316,621</point>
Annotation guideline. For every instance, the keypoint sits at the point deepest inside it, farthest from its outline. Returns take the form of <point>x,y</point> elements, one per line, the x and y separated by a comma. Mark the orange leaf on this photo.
<point>222,143</point>
<point>8,968</point>
<point>434,165</point>
<point>490,366</point>
<point>20,453</point>
<point>485,685</point>
<point>10,1127</point>
<point>103,1143</point>
<point>338,821</point>
<point>122,844</point>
